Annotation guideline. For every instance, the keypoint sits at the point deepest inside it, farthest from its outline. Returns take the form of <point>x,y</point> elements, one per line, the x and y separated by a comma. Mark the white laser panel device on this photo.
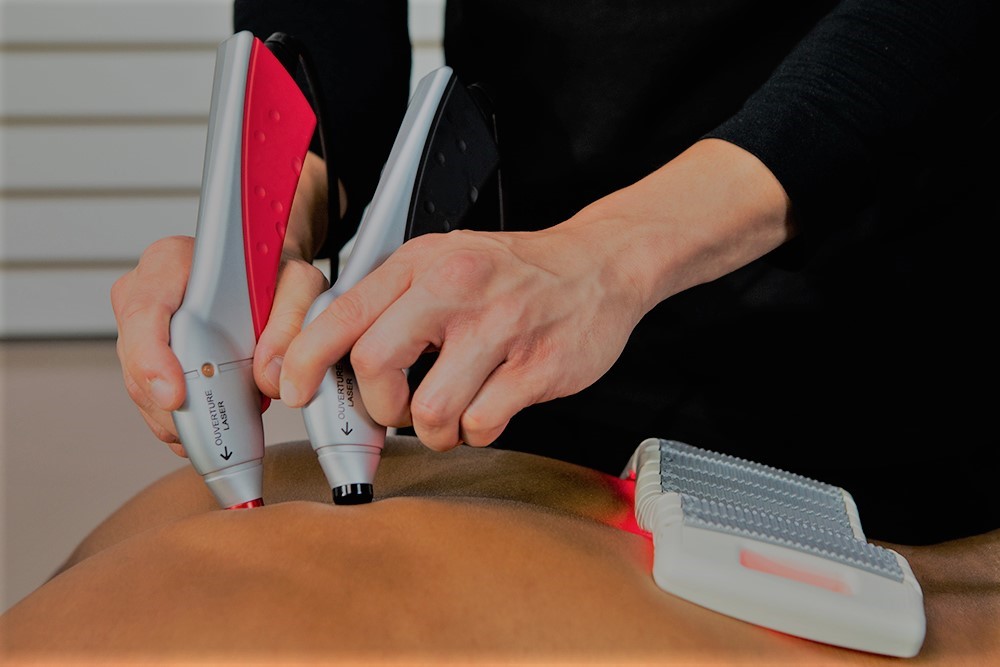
<point>772,548</point>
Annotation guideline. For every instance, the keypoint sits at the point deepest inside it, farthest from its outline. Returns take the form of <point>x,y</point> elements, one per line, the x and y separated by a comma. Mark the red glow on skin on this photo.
<point>624,489</point>
<point>624,519</point>
<point>248,504</point>
<point>755,561</point>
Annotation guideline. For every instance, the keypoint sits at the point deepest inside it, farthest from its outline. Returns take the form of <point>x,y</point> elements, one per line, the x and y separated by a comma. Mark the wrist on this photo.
<point>309,217</point>
<point>706,213</point>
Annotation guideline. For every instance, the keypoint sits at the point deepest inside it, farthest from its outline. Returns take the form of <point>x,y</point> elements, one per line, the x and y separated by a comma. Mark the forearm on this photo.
<point>709,211</point>
<point>308,220</point>
<point>865,97</point>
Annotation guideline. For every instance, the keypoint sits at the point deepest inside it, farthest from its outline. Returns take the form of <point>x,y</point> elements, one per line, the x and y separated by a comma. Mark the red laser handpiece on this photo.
<point>259,130</point>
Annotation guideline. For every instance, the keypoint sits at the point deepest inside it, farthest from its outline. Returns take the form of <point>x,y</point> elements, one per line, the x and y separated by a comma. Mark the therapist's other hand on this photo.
<point>517,318</point>
<point>145,299</point>
<point>524,317</point>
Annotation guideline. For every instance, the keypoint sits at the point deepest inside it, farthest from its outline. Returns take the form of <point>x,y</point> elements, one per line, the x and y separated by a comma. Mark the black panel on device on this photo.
<point>458,182</point>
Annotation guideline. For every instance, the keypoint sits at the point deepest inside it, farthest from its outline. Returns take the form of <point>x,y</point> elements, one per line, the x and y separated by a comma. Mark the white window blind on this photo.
<point>103,117</point>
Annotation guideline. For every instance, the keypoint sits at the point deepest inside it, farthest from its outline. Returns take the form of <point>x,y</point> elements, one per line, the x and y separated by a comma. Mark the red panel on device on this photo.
<point>278,125</point>
<point>761,563</point>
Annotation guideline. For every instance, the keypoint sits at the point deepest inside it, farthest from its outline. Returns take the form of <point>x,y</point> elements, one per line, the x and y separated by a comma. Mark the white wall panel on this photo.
<point>30,22</point>
<point>426,22</point>
<point>103,120</point>
<point>64,301</point>
<point>86,229</point>
<point>86,83</point>
<point>116,156</point>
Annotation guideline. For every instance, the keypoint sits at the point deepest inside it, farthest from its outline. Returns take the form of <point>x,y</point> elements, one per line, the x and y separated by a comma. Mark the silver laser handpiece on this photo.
<point>444,154</point>
<point>259,130</point>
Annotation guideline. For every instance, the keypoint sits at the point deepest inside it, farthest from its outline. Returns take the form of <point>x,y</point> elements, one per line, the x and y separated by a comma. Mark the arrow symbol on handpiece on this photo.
<point>226,453</point>
<point>347,429</point>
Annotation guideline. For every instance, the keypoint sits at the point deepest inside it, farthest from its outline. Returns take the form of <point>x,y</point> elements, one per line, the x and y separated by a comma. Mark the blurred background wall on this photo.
<point>103,117</point>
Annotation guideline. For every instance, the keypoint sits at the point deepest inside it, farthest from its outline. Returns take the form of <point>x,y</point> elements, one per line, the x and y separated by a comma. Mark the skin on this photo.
<point>508,311</point>
<point>474,556</point>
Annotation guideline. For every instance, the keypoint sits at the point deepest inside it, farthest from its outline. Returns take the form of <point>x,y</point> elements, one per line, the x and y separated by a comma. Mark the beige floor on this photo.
<point>72,449</point>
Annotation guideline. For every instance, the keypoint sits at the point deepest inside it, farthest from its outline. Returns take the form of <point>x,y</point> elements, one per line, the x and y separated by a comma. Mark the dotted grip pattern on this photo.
<point>278,125</point>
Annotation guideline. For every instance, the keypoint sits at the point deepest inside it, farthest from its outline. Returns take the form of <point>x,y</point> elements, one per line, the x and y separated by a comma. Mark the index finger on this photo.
<point>329,337</point>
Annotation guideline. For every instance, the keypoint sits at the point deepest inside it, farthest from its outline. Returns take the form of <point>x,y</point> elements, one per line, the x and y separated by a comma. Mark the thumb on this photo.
<point>299,283</point>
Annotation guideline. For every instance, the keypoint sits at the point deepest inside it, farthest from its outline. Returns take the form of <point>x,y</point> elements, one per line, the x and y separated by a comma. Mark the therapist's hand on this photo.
<point>145,299</point>
<point>517,318</point>
<point>525,317</point>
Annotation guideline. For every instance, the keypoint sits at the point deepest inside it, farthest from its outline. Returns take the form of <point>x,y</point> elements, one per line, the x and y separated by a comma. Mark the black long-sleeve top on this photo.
<point>857,353</point>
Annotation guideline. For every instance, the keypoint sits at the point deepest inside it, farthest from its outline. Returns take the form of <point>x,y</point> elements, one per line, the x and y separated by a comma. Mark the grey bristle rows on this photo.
<point>729,494</point>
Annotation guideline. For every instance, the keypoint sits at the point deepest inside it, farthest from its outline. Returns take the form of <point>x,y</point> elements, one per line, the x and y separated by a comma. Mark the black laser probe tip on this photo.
<point>353,494</point>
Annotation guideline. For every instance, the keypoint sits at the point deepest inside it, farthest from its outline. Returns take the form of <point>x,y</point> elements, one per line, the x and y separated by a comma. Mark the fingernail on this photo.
<point>161,392</point>
<point>289,394</point>
<point>273,371</point>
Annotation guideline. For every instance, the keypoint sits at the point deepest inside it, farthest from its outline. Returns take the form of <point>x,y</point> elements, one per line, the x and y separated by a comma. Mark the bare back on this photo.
<point>474,556</point>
